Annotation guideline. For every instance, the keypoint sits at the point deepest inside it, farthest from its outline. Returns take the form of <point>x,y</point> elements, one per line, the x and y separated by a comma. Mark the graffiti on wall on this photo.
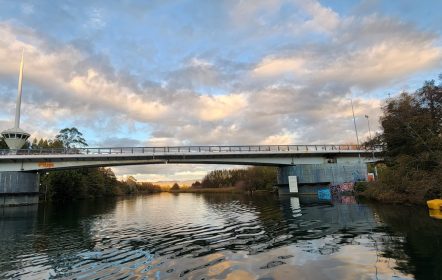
<point>342,188</point>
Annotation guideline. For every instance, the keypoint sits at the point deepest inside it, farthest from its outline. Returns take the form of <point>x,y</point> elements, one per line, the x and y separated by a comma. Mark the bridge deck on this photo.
<point>279,149</point>
<point>277,155</point>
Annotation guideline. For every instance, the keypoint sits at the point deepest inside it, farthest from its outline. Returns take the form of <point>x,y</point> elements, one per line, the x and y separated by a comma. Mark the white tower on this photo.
<point>15,137</point>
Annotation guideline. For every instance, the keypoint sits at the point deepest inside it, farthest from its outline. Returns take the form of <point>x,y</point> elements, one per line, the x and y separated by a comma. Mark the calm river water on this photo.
<point>219,236</point>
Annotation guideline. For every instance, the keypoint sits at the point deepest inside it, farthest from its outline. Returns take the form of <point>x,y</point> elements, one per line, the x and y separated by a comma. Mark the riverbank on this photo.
<point>413,192</point>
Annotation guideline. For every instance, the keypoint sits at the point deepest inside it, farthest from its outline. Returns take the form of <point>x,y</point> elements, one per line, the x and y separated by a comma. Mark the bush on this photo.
<point>360,187</point>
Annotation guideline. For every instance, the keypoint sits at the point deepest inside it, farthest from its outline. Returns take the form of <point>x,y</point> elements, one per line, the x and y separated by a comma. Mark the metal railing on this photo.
<point>193,150</point>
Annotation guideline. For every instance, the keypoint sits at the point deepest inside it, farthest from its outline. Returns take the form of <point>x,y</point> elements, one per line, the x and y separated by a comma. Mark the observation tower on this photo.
<point>16,137</point>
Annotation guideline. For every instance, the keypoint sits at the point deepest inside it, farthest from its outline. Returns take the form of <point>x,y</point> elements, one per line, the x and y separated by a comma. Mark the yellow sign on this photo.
<point>46,164</point>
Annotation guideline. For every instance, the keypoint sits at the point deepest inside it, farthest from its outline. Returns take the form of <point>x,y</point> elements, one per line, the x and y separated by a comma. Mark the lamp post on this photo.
<point>372,144</point>
<point>354,121</point>
<point>369,130</point>
<point>356,129</point>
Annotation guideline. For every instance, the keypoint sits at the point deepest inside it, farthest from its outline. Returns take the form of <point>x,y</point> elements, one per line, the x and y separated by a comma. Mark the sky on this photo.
<point>181,72</point>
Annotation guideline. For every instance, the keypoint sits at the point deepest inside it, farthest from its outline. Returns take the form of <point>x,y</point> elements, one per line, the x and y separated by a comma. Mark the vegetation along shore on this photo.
<point>412,137</point>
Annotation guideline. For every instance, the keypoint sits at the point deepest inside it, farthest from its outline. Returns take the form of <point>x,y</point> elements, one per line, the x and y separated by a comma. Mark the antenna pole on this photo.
<point>20,79</point>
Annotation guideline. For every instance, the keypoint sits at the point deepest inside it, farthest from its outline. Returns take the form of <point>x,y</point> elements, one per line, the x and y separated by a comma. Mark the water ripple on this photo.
<point>150,235</point>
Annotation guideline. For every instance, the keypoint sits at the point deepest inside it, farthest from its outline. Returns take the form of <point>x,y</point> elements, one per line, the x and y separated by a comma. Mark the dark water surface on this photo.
<point>219,236</point>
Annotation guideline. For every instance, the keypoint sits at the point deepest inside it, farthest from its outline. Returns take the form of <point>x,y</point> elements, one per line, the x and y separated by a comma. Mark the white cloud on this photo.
<point>323,19</point>
<point>352,59</point>
<point>278,66</point>
<point>213,108</point>
<point>280,139</point>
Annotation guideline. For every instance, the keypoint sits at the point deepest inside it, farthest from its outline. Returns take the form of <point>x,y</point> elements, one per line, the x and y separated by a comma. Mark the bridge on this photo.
<point>268,155</point>
<point>310,164</point>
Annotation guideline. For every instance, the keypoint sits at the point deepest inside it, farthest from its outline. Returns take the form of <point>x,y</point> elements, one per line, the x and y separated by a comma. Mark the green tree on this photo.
<point>3,143</point>
<point>412,135</point>
<point>260,177</point>
<point>66,185</point>
<point>71,138</point>
<point>429,98</point>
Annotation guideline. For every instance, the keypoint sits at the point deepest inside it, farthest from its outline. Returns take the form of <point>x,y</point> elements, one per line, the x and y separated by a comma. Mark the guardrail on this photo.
<point>193,149</point>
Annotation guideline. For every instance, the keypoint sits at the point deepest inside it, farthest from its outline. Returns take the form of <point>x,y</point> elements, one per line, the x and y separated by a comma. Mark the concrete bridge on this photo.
<point>269,155</point>
<point>332,164</point>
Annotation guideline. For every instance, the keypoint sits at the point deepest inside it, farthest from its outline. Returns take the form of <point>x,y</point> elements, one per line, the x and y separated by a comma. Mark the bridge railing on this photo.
<point>194,149</point>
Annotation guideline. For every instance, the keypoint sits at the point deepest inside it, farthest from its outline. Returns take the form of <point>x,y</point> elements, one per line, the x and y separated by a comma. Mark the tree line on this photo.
<point>412,137</point>
<point>252,178</point>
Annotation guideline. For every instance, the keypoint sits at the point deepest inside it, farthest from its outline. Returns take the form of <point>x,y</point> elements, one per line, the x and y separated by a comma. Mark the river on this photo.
<point>219,236</point>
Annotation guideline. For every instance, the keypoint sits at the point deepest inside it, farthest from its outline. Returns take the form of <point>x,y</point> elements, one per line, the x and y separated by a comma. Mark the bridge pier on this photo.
<point>311,177</point>
<point>19,188</point>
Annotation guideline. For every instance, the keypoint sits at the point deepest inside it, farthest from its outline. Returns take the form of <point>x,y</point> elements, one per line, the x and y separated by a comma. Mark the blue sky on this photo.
<point>172,72</point>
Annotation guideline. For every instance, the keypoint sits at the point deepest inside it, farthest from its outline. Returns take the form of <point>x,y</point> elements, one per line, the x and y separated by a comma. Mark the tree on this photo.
<point>196,185</point>
<point>71,138</point>
<point>400,122</point>
<point>260,177</point>
<point>3,144</point>
<point>429,98</point>
<point>412,136</point>
<point>175,187</point>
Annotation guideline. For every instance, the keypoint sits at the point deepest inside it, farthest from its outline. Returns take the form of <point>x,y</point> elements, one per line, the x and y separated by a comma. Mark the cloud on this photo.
<point>365,53</point>
<point>69,83</point>
<point>322,19</point>
<point>197,73</point>
<point>278,66</point>
<point>297,17</point>
<point>96,19</point>
<point>212,108</point>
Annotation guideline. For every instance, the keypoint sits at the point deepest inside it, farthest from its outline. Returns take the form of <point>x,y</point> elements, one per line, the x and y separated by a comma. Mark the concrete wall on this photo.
<point>333,173</point>
<point>18,188</point>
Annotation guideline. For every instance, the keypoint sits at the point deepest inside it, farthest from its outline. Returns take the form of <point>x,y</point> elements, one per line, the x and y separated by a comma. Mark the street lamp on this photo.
<point>369,130</point>
<point>354,121</point>
<point>372,145</point>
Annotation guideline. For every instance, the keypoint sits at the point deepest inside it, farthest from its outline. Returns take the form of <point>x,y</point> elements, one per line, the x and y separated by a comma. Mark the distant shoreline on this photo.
<point>212,190</point>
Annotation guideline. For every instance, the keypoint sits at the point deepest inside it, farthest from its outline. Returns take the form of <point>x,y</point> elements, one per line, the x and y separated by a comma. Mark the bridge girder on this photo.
<point>71,161</point>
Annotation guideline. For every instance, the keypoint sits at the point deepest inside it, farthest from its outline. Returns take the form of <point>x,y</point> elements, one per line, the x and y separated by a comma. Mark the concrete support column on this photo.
<point>320,174</point>
<point>19,188</point>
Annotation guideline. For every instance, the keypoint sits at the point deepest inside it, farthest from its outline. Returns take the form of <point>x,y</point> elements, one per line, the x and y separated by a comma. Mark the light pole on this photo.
<point>372,145</point>
<point>354,121</point>
<point>369,130</point>
<point>369,133</point>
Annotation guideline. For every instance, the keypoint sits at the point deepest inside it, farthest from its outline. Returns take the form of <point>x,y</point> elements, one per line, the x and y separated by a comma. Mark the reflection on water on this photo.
<point>219,236</point>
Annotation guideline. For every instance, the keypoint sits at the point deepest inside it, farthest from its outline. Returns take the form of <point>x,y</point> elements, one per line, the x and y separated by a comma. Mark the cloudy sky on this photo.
<point>181,72</point>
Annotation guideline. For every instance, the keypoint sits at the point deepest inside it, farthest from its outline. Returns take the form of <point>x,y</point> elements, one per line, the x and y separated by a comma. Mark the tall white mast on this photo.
<point>20,79</point>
